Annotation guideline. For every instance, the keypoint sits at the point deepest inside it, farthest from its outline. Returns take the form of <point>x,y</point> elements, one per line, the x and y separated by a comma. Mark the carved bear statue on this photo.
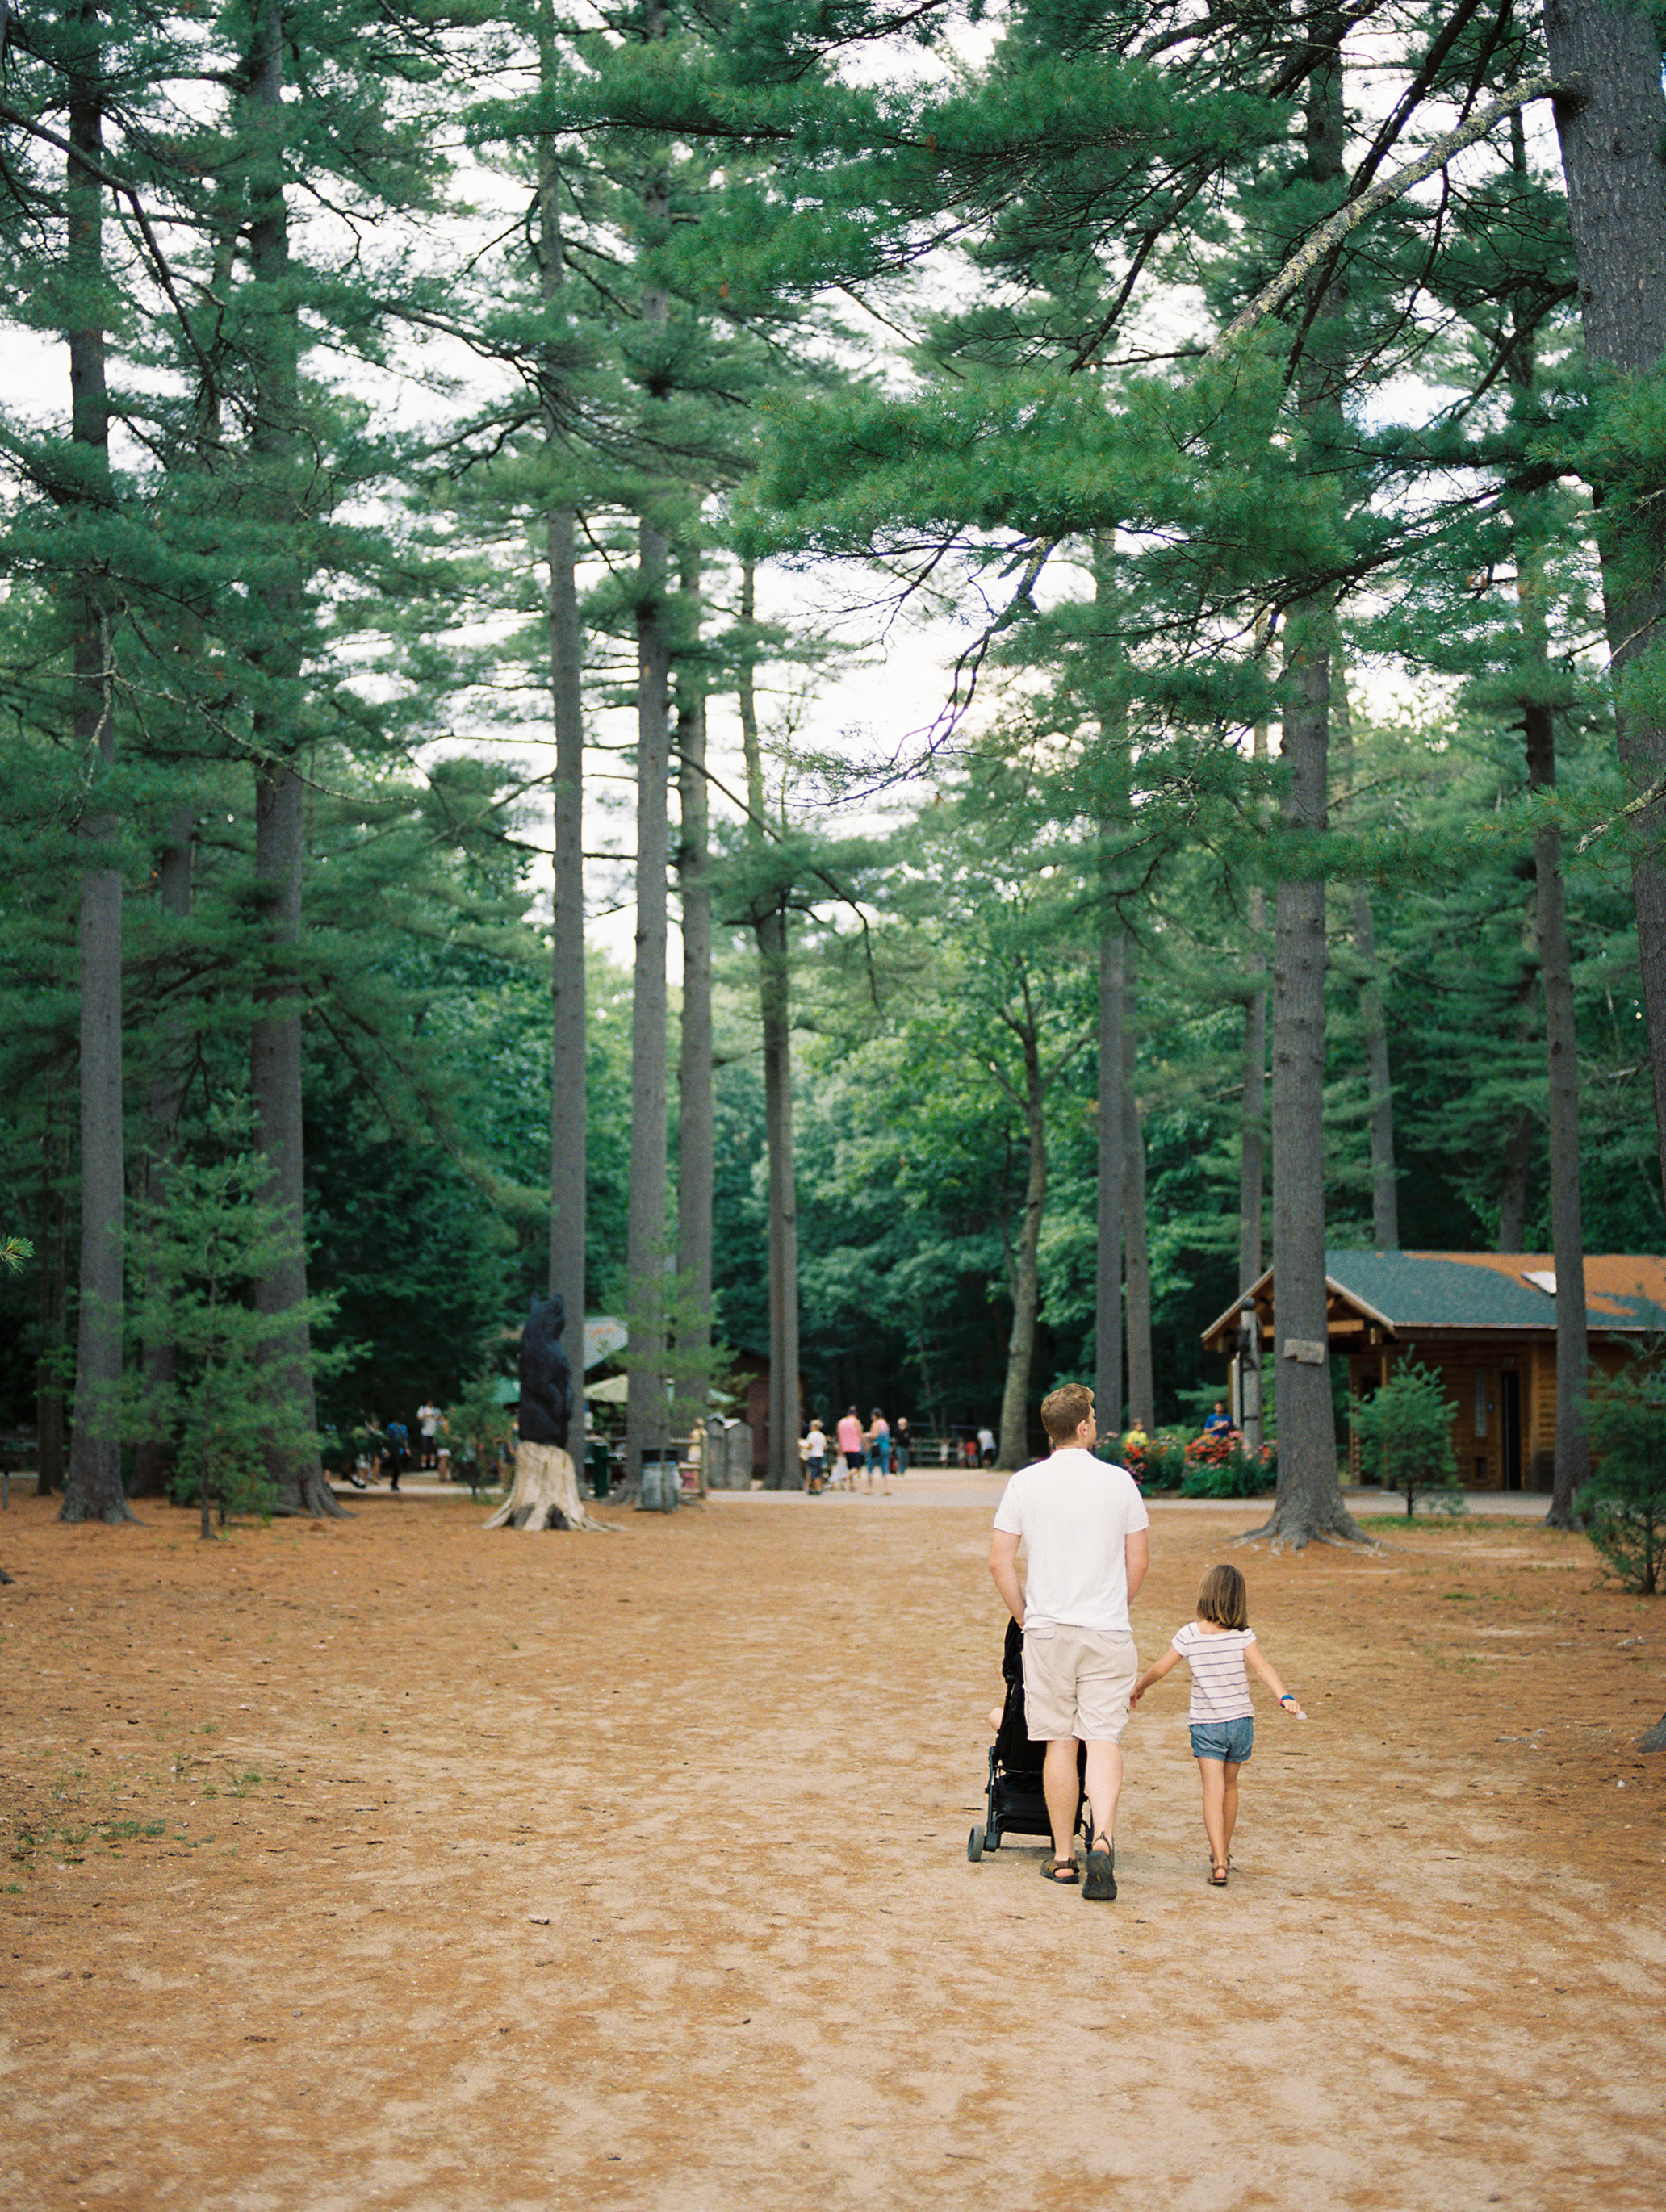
<point>546,1377</point>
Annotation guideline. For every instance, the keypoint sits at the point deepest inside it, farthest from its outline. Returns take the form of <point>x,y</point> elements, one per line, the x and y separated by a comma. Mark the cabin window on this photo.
<point>1481,1401</point>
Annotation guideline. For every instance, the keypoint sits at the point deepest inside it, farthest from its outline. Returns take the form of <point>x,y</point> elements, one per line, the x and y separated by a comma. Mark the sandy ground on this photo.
<point>389,1863</point>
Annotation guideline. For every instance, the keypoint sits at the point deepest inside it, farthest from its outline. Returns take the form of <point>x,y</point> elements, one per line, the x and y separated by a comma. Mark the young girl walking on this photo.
<point>1217,1646</point>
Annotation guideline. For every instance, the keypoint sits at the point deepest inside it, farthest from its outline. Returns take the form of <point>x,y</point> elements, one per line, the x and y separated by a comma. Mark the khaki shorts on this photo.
<point>1077,1681</point>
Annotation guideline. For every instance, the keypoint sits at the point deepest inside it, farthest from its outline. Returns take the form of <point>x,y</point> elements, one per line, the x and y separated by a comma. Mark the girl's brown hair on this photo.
<point>1224,1599</point>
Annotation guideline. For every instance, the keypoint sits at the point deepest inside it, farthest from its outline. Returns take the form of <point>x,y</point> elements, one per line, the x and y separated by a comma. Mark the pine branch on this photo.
<point>1630,812</point>
<point>124,188</point>
<point>1329,233</point>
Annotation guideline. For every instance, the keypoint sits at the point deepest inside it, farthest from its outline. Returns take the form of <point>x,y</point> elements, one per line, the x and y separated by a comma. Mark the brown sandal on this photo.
<point>1061,1871</point>
<point>1217,1877</point>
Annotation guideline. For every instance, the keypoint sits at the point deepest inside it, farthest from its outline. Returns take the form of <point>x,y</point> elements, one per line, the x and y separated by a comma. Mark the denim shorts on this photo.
<point>1224,1740</point>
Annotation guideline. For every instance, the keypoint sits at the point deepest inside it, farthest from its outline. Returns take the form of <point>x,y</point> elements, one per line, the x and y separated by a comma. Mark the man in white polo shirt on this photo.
<point>1083,1524</point>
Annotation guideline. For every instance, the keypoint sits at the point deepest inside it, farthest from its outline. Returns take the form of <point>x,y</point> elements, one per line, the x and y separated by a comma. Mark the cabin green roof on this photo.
<point>1412,1291</point>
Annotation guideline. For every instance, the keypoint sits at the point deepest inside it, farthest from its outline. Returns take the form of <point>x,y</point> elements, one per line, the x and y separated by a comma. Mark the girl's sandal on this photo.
<point>1064,1872</point>
<point>1217,1877</point>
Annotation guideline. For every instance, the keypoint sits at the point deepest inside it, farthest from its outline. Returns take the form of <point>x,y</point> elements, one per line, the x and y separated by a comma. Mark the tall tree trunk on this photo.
<point>1252,1133</point>
<point>785,1471</point>
<point>154,1459</point>
<point>647,1413</point>
<point>54,1291</point>
<point>1310,1498</point>
<point>92,1490</point>
<point>1373,1023</point>
<point>1379,1086</point>
<point>1252,1150</point>
<point>1107,1250</point>
<point>1252,1112</point>
<point>280,799</point>
<point>1252,1108</point>
<point>1572,1465</point>
<point>1013,1449</point>
<point>568,1041</point>
<point>647,1422</point>
<point>1115,809</point>
<point>782,1468</point>
<point>1517,1162</point>
<point>1611,120</point>
<point>275,1083</point>
<point>1136,1243</point>
<point>695,1164</point>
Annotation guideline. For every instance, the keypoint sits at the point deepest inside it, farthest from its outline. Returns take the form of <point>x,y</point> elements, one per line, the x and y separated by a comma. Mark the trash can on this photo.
<point>661,1488</point>
<point>598,1465</point>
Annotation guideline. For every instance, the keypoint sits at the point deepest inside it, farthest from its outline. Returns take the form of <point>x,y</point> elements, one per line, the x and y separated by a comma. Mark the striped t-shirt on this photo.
<point>1221,1688</point>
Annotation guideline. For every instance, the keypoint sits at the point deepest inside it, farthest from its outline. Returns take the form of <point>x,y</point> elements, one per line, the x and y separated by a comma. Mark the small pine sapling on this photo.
<point>1623,1506</point>
<point>201,1253</point>
<point>1405,1438</point>
<point>479,1425</point>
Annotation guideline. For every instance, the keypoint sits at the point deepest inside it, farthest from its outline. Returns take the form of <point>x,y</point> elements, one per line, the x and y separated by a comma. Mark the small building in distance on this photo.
<point>1485,1322</point>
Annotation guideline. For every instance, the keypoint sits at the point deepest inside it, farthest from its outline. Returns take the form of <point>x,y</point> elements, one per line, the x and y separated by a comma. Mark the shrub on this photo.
<point>1157,1464</point>
<point>198,1254</point>
<point>1405,1435</point>
<point>1624,1503</point>
<point>479,1426</point>
<point>1220,1466</point>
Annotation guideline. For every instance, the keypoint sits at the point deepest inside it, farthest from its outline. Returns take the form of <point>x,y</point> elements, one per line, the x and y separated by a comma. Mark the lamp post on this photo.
<point>1246,1377</point>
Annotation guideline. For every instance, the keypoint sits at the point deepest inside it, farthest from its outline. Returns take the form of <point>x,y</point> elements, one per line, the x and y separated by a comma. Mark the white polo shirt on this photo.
<point>1074,1512</point>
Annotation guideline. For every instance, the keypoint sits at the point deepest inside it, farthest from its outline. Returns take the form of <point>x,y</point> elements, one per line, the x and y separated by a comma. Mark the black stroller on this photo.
<point>1016,1801</point>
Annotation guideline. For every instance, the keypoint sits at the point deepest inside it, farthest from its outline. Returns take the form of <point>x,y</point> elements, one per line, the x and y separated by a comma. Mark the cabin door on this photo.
<point>1509,1394</point>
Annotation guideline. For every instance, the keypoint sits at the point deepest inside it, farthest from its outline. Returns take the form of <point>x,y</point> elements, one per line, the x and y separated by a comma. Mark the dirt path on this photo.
<point>392,1864</point>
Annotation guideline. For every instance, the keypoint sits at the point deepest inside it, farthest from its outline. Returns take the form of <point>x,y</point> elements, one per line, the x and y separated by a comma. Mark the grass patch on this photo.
<point>1423,1522</point>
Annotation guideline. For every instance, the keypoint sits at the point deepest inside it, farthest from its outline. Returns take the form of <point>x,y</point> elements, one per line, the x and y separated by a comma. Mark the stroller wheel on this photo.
<point>992,1838</point>
<point>975,1845</point>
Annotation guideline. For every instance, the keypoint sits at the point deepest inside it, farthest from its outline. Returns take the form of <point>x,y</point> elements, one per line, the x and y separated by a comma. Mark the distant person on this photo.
<point>1084,1524</point>
<point>428,1428</point>
<point>1216,1646</point>
<point>398,1452</point>
<point>852,1444</point>
<point>816,1454</point>
<point>902,1444</point>
<point>985,1446</point>
<point>1135,1438</point>
<point>1219,1423</point>
<point>877,1440</point>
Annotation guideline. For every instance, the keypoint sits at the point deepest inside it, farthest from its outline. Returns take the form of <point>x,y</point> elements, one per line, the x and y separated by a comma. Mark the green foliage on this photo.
<point>1405,1435</point>
<point>1220,1466</point>
<point>1238,1477</point>
<point>1624,1504</point>
<point>1096,159</point>
<point>1158,1463</point>
<point>198,1251</point>
<point>475,1426</point>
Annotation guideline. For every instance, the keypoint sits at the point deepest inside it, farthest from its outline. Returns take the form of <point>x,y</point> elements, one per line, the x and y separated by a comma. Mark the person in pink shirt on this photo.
<point>854,1444</point>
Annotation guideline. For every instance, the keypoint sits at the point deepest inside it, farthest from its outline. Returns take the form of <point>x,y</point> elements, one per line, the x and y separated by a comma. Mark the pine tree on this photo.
<point>1610,117</point>
<point>92,1490</point>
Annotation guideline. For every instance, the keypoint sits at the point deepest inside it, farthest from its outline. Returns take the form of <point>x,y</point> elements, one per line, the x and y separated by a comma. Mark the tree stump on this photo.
<point>545,1493</point>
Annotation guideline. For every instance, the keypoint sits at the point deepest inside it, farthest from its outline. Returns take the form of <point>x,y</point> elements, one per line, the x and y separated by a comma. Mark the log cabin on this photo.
<point>1485,1322</point>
